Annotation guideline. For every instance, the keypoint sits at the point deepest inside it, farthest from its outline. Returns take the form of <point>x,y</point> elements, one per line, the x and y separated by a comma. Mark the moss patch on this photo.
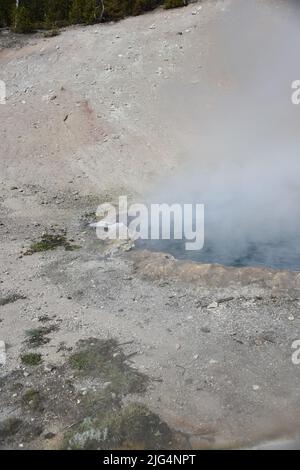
<point>104,359</point>
<point>51,241</point>
<point>11,299</point>
<point>31,359</point>
<point>32,399</point>
<point>9,427</point>
<point>132,427</point>
<point>107,424</point>
<point>37,337</point>
<point>15,429</point>
<point>86,396</point>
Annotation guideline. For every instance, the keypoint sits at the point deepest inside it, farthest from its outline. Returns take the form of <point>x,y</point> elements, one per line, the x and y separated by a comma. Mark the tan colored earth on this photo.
<point>86,121</point>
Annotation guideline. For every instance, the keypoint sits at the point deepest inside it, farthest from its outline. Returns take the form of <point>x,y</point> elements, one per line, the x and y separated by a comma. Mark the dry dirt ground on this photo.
<point>134,349</point>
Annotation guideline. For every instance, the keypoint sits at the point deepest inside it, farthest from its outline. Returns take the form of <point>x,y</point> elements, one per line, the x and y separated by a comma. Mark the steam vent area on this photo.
<point>150,226</point>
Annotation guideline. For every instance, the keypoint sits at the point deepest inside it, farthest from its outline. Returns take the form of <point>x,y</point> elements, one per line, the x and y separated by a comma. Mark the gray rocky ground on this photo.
<point>134,349</point>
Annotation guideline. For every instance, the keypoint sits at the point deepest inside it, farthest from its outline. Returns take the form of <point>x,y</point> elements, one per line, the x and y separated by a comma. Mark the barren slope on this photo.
<point>86,121</point>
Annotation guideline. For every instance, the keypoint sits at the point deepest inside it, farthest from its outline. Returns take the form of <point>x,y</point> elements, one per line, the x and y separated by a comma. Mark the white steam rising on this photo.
<point>239,136</point>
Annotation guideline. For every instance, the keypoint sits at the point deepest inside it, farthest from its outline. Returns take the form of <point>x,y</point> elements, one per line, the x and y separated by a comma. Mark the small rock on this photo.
<point>255,387</point>
<point>213,305</point>
<point>205,329</point>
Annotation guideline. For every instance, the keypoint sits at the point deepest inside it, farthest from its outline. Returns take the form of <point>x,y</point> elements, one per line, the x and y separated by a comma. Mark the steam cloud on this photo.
<point>242,151</point>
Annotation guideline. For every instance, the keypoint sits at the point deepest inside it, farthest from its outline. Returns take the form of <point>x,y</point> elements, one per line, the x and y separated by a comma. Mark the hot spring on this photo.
<point>237,129</point>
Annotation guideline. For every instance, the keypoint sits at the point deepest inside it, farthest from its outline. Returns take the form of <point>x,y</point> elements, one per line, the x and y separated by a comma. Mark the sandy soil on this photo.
<point>83,123</point>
